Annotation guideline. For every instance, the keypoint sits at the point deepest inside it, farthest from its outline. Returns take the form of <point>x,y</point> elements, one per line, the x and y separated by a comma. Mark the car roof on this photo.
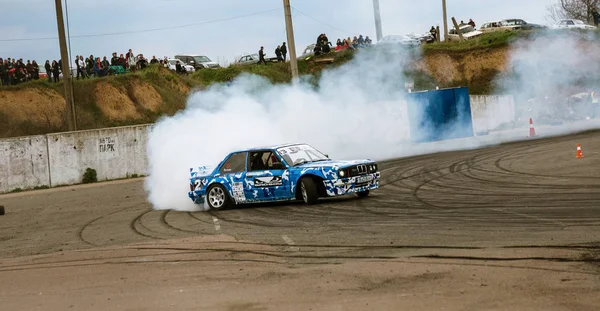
<point>192,55</point>
<point>269,147</point>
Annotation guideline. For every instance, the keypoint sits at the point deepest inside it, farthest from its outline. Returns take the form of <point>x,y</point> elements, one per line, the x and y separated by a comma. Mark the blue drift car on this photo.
<point>280,173</point>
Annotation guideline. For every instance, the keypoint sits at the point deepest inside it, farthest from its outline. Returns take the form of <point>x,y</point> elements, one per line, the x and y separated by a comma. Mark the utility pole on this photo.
<point>445,21</point>
<point>377,14</point>
<point>290,39</point>
<point>66,70</point>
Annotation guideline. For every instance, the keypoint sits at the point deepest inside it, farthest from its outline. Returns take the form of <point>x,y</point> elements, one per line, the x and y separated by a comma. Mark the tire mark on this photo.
<point>88,224</point>
<point>137,220</point>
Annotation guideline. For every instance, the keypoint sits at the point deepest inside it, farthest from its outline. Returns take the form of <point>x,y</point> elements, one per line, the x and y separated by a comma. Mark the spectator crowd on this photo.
<point>13,71</point>
<point>324,46</point>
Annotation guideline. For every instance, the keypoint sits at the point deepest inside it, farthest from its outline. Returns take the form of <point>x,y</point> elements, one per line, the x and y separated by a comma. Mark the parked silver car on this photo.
<point>252,59</point>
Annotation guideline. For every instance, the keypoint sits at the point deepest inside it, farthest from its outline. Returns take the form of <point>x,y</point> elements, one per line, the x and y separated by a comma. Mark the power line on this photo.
<point>145,30</point>
<point>321,22</point>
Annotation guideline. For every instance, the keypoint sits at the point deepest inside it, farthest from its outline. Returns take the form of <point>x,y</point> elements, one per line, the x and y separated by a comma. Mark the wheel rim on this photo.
<point>216,197</point>
<point>304,195</point>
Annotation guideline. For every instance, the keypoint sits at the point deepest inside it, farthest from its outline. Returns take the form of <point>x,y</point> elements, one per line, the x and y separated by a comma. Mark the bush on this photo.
<point>90,176</point>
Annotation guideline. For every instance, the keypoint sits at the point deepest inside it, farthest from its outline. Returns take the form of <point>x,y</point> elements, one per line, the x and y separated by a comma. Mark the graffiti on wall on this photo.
<point>107,144</point>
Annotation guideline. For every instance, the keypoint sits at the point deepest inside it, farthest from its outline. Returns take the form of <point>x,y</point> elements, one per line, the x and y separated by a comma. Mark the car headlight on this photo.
<point>341,173</point>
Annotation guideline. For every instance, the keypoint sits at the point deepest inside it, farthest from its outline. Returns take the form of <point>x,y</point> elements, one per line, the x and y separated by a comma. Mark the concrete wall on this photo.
<point>113,152</point>
<point>62,158</point>
<point>490,111</point>
<point>23,163</point>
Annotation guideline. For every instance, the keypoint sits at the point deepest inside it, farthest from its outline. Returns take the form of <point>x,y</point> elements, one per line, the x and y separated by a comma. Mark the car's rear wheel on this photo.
<point>363,194</point>
<point>217,197</point>
<point>308,191</point>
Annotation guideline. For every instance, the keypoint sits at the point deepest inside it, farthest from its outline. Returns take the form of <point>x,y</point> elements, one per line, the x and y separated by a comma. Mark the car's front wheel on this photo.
<point>217,197</point>
<point>308,190</point>
<point>363,194</point>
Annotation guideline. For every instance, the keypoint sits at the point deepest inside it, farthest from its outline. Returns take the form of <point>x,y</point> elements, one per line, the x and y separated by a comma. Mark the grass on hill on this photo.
<point>275,72</point>
<point>485,41</point>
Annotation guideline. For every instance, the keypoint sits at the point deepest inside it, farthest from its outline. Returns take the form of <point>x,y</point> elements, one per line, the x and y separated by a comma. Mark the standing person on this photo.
<point>433,33</point>
<point>283,51</point>
<point>36,70</point>
<point>471,23</point>
<point>261,55</point>
<point>80,66</point>
<point>55,71</point>
<point>131,62</point>
<point>1,71</point>
<point>278,54</point>
<point>48,70</point>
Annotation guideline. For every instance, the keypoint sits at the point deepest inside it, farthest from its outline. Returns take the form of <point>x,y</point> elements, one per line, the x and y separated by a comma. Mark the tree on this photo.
<point>575,9</point>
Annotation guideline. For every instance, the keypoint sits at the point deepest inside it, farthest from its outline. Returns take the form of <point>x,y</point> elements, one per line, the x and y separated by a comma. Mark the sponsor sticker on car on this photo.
<point>363,179</point>
<point>268,181</point>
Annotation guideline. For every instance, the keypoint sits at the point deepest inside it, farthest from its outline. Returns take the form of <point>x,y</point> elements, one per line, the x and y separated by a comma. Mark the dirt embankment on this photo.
<point>125,100</point>
<point>142,97</point>
<point>473,68</point>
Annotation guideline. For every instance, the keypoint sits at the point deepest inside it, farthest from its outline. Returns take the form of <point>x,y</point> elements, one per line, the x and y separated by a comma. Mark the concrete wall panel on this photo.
<point>113,152</point>
<point>491,111</point>
<point>23,163</point>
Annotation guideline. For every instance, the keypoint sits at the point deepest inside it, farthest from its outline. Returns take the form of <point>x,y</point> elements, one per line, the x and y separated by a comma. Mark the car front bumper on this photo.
<point>342,186</point>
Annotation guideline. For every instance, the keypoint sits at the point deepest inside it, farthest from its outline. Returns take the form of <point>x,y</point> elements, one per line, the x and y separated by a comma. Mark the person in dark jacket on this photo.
<point>114,60</point>
<point>55,71</point>
<point>48,70</point>
<point>2,69</point>
<point>283,51</point>
<point>278,54</point>
<point>35,74</point>
<point>261,56</point>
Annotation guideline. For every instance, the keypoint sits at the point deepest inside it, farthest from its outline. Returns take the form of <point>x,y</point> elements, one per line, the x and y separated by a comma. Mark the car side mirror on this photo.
<point>327,156</point>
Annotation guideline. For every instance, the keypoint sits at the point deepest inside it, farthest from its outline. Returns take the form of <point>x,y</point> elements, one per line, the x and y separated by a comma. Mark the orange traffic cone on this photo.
<point>531,129</point>
<point>579,152</point>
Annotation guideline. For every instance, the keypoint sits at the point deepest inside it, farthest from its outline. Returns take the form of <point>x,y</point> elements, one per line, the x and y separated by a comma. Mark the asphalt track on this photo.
<point>525,207</point>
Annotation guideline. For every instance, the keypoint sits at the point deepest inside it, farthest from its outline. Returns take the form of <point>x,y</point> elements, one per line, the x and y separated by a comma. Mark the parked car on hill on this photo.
<point>467,31</point>
<point>519,24</point>
<point>491,27</point>
<point>251,59</point>
<point>423,38</point>
<point>572,24</point>
<point>172,65</point>
<point>198,61</point>
<point>399,39</point>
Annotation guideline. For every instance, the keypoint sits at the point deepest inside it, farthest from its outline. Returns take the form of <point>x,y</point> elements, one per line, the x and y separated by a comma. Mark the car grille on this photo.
<point>361,169</point>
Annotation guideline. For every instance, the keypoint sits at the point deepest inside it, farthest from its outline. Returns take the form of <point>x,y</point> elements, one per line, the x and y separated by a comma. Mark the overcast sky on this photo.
<point>211,27</point>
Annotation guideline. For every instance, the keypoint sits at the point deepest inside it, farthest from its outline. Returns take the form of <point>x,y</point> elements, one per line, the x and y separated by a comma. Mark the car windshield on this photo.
<point>466,29</point>
<point>201,59</point>
<point>298,154</point>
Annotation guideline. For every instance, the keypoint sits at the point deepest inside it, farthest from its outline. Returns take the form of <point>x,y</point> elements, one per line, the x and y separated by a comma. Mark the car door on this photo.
<point>267,177</point>
<point>233,170</point>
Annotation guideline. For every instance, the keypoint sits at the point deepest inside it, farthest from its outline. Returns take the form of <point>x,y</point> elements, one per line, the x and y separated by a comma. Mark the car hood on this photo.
<point>332,163</point>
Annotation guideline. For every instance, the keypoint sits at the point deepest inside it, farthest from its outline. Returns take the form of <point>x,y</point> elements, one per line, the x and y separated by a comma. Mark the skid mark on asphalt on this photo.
<point>556,222</point>
<point>290,242</point>
<point>80,232</point>
<point>216,222</point>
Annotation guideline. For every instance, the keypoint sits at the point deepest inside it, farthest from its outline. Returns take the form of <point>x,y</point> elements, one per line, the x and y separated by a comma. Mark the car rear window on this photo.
<point>235,163</point>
